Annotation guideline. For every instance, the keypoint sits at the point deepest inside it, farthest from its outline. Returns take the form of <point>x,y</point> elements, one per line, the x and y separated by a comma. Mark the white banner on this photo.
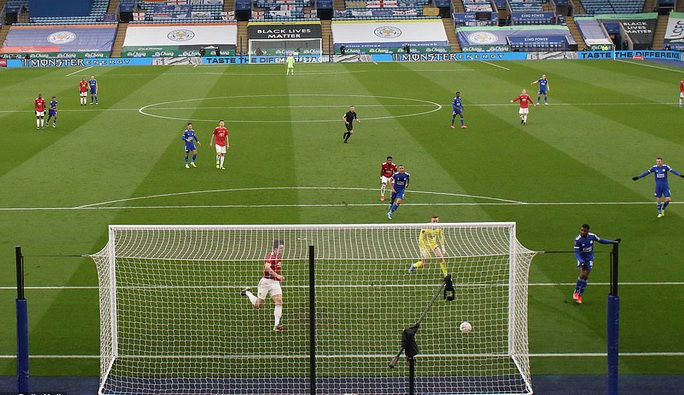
<point>180,35</point>
<point>675,27</point>
<point>389,31</point>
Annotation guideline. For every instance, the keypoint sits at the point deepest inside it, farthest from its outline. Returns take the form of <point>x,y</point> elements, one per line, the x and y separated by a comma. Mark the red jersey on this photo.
<point>274,260</point>
<point>220,134</point>
<point>388,169</point>
<point>40,104</point>
<point>524,100</point>
<point>681,86</point>
<point>83,86</point>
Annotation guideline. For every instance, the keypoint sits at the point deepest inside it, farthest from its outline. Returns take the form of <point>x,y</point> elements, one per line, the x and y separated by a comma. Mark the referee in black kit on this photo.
<point>348,119</point>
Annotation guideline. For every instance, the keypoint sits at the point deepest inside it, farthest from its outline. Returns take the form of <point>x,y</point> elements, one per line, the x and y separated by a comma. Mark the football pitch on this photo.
<point>122,162</point>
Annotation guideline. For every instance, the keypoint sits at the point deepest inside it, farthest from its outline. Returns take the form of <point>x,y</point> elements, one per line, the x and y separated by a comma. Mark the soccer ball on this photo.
<point>466,327</point>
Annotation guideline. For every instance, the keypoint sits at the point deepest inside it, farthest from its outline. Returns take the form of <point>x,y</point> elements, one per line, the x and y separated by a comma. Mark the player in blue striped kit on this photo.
<point>662,188</point>
<point>584,253</point>
<point>189,138</point>
<point>457,109</point>
<point>543,89</point>
<point>399,182</point>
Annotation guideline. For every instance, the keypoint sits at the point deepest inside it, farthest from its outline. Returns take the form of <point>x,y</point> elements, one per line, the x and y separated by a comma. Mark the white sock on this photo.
<point>277,313</point>
<point>251,297</point>
<point>37,122</point>
<point>525,118</point>
<point>222,157</point>
<point>382,190</point>
<point>42,122</point>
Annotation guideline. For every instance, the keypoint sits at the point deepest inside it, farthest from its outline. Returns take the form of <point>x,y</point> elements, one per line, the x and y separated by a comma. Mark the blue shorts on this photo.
<point>52,113</point>
<point>398,195</point>
<point>190,147</point>
<point>661,190</point>
<point>93,92</point>
<point>586,265</point>
<point>457,112</point>
<point>542,91</point>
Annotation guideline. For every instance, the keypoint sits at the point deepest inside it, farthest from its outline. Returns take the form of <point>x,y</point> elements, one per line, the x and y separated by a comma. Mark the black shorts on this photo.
<point>349,126</point>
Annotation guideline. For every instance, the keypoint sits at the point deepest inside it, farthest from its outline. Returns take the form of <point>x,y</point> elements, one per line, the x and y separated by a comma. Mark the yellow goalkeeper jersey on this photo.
<point>429,238</point>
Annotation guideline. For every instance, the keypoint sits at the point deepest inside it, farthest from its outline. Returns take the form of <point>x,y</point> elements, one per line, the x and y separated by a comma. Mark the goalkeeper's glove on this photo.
<point>618,240</point>
<point>635,178</point>
<point>681,175</point>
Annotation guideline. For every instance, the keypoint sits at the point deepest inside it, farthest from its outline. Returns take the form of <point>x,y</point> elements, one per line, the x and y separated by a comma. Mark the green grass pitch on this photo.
<point>121,162</point>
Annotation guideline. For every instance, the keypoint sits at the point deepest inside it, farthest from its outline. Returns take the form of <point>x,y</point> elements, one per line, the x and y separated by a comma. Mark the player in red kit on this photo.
<point>222,143</point>
<point>681,92</point>
<point>387,170</point>
<point>270,284</point>
<point>525,101</point>
<point>83,91</point>
<point>40,111</point>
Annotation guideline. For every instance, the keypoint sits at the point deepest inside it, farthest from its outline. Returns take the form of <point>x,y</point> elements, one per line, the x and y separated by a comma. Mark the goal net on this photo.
<point>173,320</point>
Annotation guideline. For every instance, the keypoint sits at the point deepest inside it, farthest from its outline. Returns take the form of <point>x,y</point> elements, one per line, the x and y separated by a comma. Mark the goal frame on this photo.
<point>518,351</point>
<point>251,52</point>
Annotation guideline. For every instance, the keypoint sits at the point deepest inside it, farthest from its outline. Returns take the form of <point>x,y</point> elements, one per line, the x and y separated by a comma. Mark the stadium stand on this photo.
<point>597,7</point>
<point>370,9</point>
<point>163,12</point>
<point>97,14</point>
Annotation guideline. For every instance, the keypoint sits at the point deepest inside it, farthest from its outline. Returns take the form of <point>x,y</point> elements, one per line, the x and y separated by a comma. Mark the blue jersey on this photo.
<point>189,134</point>
<point>401,181</point>
<point>543,84</point>
<point>662,188</point>
<point>93,86</point>
<point>53,108</point>
<point>457,105</point>
<point>584,248</point>
<point>660,173</point>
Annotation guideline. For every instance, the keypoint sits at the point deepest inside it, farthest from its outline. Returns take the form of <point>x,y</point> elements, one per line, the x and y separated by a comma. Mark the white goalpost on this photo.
<point>173,320</point>
<point>283,47</point>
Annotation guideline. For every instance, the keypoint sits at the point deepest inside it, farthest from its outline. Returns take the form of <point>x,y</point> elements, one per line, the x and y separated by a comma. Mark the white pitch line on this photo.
<point>496,65</point>
<point>94,287</point>
<point>531,355</point>
<point>79,71</point>
<point>649,65</point>
<point>320,205</point>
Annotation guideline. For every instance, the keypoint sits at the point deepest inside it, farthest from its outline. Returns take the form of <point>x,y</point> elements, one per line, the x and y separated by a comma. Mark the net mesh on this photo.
<point>173,319</point>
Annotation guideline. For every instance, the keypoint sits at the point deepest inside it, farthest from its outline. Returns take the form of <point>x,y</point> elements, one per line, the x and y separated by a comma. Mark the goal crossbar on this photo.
<point>173,319</point>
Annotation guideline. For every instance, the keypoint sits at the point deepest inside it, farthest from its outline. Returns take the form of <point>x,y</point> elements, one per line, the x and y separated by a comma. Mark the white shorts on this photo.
<point>220,149</point>
<point>268,286</point>
<point>385,180</point>
<point>84,94</point>
<point>524,111</point>
<point>40,114</point>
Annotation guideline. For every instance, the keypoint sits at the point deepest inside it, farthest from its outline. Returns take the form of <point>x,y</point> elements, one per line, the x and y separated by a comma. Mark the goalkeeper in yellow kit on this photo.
<point>431,241</point>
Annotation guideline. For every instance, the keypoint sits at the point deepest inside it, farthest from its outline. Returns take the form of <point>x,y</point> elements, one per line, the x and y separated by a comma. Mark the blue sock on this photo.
<point>462,121</point>
<point>665,205</point>
<point>394,208</point>
<point>186,160</point>
<point>193,158</point>
<point>660,207</point>
<point>581,286</point>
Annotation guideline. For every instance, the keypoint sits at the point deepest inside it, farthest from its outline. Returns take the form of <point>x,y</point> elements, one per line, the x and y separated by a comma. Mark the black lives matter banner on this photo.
<point>640,32</point>
<point>283,32</point>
